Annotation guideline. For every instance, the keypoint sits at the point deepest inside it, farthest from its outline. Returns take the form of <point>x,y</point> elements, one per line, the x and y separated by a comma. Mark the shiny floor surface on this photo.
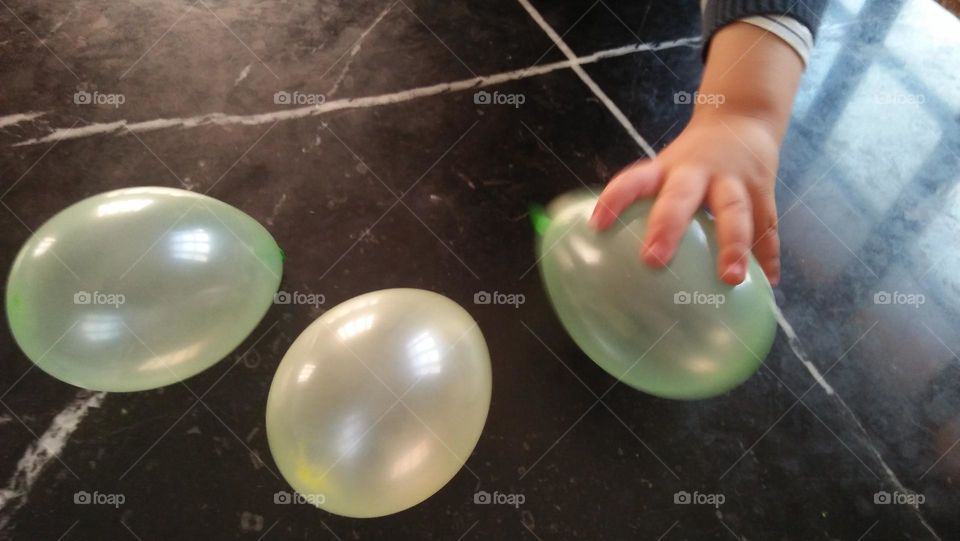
<point>849,431</point>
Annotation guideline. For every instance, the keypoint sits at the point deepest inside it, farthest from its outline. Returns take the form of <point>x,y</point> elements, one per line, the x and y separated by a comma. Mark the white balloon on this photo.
<point>379,402</point>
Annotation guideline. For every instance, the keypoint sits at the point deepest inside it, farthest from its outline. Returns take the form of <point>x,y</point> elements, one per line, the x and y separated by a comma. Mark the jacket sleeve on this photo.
<point>794,21</point>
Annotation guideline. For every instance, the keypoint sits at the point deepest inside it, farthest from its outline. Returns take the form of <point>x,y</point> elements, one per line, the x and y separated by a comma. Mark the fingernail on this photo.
<point>773,273</point>
<point>653,254</point>
<point>735,271</point>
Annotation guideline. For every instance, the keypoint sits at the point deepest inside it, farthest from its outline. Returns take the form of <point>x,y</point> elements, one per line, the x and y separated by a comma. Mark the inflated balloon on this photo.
<point>138,288</point>
<point>379,402</point>
<point>676,333</point>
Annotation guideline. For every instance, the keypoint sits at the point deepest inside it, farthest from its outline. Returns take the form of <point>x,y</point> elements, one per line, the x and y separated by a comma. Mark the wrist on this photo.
<point>749,73</point>
<point>756,119</point>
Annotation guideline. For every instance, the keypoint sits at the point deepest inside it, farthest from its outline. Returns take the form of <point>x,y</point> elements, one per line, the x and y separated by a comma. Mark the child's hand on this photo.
<point>726,157</point>
<point>724,161</point>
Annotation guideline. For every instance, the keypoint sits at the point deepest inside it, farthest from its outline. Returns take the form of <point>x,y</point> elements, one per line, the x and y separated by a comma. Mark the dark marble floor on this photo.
<point>858,401</point>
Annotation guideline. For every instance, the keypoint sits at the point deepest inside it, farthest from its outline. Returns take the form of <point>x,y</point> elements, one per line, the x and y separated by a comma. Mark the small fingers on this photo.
<point>766,242</point>
<point>681,196</point>
<point>637,181</point>
<point>730,203</point>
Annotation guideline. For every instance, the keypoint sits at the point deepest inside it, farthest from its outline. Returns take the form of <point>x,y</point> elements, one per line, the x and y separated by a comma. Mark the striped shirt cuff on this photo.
<point>788,29</point>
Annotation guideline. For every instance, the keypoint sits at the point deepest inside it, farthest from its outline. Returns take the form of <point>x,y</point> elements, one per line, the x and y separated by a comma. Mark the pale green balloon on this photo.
<point>379,402</point>
<point>141,287</point>
<point>679,333</point>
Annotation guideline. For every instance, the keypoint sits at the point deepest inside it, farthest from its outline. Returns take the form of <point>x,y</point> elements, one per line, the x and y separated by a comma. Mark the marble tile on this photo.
<point>586,25</point>
<point>869,281</point>
<point>868,204</point>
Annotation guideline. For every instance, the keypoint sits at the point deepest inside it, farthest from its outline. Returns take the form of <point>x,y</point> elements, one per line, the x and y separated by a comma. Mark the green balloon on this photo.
<point>676,333</point>
<point>141,287</point>
<point>379,402</point>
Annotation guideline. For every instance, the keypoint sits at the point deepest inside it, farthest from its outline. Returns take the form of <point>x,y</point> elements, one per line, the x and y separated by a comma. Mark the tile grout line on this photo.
<point>221,119</point>
<point>890,473</point>
<point>794,341</point>
<point>355,49</point>
<point>14,119</point>
<point>47,447</point>
<point>587,80</point>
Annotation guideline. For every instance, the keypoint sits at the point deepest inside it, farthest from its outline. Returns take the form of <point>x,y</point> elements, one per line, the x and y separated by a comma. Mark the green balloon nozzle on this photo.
<point>539,218</point>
